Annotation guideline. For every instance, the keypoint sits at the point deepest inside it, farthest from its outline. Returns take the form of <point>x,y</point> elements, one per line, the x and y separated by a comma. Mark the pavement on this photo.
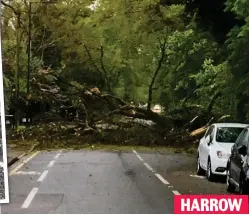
<point>103,182</point>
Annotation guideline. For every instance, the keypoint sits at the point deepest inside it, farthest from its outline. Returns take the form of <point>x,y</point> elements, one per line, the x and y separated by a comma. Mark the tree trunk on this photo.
<point>18,43</point>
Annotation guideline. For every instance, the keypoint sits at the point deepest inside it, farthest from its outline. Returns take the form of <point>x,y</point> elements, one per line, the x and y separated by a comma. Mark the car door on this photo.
<point>206,146</point>
<point>202,142</point>
<point>236,159</point>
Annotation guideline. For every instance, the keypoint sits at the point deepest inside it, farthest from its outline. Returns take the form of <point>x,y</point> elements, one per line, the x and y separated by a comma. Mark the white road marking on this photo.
<point>13,171</point>
<point>27,173</point>
<point>140,158</point>
<point>30,197</point>
<point>43,175</point>
<point>148,166</point>
<point>197,176</point>
<point>161,178</point>
<point>157,174</point>
<point>51,163</point>
<point>134,151</point>
<point>57,156</point>
<point>176,192</point>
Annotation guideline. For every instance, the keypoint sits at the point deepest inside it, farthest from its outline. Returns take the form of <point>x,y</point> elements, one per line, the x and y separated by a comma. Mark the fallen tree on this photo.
<point>94,116</point>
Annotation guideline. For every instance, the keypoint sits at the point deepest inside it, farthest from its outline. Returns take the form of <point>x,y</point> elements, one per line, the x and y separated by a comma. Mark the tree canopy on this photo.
<point>188,56</point>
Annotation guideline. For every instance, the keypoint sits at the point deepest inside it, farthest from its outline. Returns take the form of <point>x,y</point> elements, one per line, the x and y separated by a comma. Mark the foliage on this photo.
<point>117,47</point>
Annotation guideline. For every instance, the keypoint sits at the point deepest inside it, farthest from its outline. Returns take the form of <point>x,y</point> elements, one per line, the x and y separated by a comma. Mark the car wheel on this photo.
<point>209,174</point>
<point>199,170</point>
<point>230,187</point>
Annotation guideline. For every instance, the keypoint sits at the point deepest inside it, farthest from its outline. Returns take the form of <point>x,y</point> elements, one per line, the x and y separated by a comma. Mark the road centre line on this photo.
<point>51,163</point>
<point>13,171</point>
<point>57,156</point>
<point>175,192</point>
<point>161,178</point>
<point>140,158</point>
<point>30,197</point>
<point>148,167</point>
<point>43,175</point>
<point>134,151</point>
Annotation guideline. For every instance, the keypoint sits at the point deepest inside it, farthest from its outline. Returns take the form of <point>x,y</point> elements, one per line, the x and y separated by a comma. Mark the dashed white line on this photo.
<point>176,192</point>
<point>140,158</point>
<point>134,151</point>
<point>43,175</point>
<point>30,197</point>
<point>148,166</point>
<point>51,163</point>
<point>161,178</point>
<point>57,156</point>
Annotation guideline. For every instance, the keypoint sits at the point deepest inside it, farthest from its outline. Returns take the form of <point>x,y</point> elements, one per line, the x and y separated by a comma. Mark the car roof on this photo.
<point>236,125</point>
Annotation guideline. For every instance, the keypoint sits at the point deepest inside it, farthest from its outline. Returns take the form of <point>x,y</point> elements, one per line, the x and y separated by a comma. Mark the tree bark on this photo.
<point>18,43</point>
<point>211,104</point>
<point>159,65</point>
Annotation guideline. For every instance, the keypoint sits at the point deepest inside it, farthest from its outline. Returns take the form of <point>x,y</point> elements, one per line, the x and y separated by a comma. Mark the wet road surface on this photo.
<point>102,182</point>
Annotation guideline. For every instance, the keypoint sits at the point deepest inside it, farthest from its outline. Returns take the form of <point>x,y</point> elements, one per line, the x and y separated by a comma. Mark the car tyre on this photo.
<point>230,187</point>
<point>199,170</point>
<point>209,174</point>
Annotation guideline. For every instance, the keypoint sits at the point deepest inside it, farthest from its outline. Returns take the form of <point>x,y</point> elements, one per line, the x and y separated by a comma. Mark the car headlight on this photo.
<point>221,154</point>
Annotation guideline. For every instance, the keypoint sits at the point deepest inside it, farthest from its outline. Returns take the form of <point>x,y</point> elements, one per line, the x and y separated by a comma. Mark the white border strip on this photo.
<point>3,129</point>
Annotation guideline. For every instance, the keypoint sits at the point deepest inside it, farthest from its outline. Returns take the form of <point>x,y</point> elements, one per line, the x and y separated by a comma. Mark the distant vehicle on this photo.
<point>157,108</point>
<point>238,165</point>
<point>215,147</point>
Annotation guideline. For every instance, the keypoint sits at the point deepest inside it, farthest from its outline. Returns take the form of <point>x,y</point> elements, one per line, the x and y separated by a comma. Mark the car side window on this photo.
<point>212,133</point>
<point>241,138</point>
<point>207,132</point>
<point>245,139</point>
<point>210,130</point>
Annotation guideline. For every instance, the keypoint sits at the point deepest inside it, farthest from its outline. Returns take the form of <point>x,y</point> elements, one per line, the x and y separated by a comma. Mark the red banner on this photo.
<point>211,204</point>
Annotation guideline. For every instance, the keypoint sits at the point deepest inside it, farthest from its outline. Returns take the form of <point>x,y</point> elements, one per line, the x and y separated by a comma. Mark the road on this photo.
<point>102,182</point>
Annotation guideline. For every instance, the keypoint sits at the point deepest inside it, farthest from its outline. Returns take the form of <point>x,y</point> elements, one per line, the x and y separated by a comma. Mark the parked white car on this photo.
<point>215,148</point>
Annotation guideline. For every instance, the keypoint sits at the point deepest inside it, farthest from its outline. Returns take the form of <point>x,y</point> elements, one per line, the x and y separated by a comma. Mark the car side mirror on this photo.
<point>242,150</point>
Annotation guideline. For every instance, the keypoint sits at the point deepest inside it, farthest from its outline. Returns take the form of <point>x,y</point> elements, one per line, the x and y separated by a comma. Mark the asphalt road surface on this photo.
<point>102,182</point>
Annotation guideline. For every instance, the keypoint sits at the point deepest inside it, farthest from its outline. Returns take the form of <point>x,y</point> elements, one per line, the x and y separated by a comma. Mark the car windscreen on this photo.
<point>228,134</point>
